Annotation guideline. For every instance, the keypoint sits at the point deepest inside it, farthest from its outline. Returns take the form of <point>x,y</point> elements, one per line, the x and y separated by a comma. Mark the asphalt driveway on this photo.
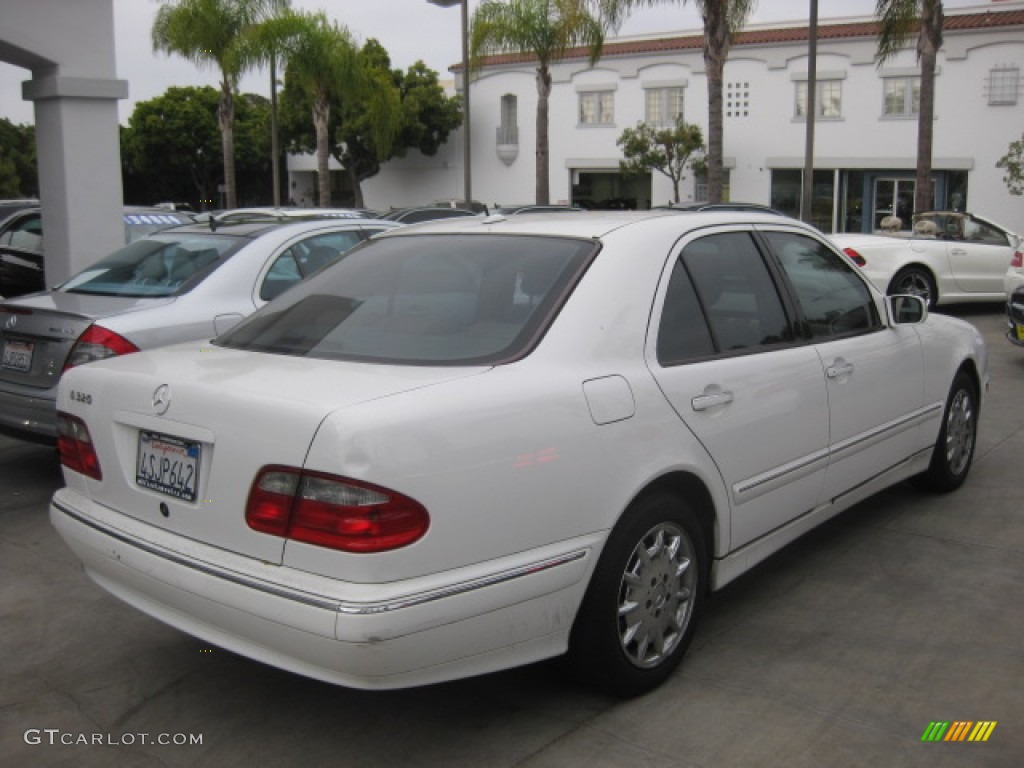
<point>840,650</point>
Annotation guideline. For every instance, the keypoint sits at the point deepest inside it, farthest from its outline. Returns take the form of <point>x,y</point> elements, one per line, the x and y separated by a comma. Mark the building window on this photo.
<point>1003,85</point>
<point>508,130</point>
<point>737,99</point>
<point>828,102</point>
<point>597,107</point>
<point>902,96</point>
<point>663,106</point>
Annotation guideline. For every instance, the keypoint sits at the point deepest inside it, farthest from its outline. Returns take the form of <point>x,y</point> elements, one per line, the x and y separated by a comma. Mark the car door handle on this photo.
<point>958,251</point>
<point>703,402</point>
<point>839,368</point>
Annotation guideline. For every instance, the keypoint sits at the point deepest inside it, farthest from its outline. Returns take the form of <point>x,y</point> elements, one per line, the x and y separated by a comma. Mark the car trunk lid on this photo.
<point>222,415</point>
<point>38,332</point>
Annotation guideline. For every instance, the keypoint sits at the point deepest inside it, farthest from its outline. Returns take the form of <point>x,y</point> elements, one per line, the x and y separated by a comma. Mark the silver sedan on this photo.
<point>186,283</point>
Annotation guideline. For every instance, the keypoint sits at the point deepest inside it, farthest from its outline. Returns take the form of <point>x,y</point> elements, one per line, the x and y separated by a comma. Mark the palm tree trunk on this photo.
<point>716,49</point>
<point>928,45</point>
<point>923,193</point>
<point>543,92</point>
<point>226,123</point>
<point>321,116</point>
<point>357,188</point>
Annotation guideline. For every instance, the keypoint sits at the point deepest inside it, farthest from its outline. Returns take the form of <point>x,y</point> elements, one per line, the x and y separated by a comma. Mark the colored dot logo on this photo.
<point>958,730</point>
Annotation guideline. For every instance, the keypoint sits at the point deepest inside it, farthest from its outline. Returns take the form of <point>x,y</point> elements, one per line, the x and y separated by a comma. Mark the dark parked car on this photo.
<point>425,213</point>
<point>21,243</point>
<point>725,206</point>
<point>1015,317</point>
<point>516,210</point>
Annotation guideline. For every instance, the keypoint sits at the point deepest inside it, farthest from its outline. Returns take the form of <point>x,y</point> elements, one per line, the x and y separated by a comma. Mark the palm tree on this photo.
<point>546,29</point>
<point>898,20</point>
<point>723,20</point>
<point>262,46</point>
<point>323,58</point>
<point>208,33</point>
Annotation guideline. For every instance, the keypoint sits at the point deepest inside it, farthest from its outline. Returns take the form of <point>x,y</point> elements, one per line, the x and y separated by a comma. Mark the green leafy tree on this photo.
<point>898,20</point>
<point>1013,163</point>
<point>322,60</point>
<point>212,33</point>
<point>171,149</point>
<point>427,117</point>
<point>18,176</point>
<point>545,29</point>
<point>723,20</point>
<point>665,150</point>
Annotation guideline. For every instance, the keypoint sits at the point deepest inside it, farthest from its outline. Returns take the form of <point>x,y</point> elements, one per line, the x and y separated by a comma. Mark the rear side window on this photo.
<point>304,258</point>
<point>833,298</point>
<point>721,298</point>
<point>426,300</point>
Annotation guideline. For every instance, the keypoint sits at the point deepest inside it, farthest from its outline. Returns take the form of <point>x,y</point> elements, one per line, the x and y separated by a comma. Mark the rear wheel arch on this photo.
<point>643,602</point>
<point>695,493</point>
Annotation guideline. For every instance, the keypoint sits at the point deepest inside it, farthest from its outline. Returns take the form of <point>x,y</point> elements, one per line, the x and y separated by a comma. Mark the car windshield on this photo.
<point>160,265</point>
<point>425,300</point>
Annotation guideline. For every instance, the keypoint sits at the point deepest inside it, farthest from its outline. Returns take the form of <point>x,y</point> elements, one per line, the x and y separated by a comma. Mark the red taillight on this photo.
<point>856,257</point>
<point>333,512</point>
<point>75,446</point>
<point>1018,260</point>
<point>97,343</point>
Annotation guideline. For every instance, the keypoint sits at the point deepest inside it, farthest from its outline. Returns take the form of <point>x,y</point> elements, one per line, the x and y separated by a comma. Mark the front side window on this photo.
<point>663,106</point>
<point>597,107</point>
<point>721,299</point>
<point>902,96</point>
<point>832,297</point>
<point>828,99</point>
<point>422,300</point>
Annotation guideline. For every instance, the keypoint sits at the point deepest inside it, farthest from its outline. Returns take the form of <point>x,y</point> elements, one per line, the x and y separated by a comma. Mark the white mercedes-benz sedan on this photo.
<point>479,443</point>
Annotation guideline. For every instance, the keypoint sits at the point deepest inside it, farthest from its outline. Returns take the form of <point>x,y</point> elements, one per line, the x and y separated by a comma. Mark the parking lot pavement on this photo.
<point>838,651</point>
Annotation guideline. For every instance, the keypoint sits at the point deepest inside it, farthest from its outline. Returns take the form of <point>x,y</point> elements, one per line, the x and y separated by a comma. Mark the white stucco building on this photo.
<point>865,131</point>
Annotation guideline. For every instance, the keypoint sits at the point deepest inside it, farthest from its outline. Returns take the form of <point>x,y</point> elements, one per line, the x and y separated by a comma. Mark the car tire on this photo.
<point>644,600</point>
<point>915,281</point>
<point>954,448</point>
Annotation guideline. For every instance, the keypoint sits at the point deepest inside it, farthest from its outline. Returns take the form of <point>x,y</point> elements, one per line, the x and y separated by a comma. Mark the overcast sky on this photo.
<point>408,29</point>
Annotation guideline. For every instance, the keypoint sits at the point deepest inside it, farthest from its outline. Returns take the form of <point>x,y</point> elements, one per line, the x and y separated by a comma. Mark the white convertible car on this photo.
<point>474,444</point>
<point>948,258</point>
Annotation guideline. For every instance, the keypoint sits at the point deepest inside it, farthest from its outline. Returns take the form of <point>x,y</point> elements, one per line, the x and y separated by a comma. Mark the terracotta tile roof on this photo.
<point>755,37</point>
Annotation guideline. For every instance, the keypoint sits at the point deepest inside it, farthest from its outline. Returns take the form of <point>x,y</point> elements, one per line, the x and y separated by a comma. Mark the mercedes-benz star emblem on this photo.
<point>162,399</point>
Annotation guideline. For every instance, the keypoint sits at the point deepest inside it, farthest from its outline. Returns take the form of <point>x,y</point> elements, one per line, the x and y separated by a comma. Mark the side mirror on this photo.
<point>906,310</point>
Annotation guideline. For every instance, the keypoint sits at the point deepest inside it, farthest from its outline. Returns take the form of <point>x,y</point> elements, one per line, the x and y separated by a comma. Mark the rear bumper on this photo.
<point>29,417</point>
<point>393,635</point>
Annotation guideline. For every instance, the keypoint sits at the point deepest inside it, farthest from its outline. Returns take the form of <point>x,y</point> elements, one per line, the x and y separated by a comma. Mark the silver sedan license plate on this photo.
<point>17,355</point>
<point>168,465</point>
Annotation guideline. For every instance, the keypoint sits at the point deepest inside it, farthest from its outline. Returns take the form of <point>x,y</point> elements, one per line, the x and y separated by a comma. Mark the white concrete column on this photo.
<point>79,169</point>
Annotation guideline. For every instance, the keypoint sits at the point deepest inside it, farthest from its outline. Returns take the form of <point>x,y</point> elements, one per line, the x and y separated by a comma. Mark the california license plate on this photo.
<point>17,355</point>
<point>168,465</point>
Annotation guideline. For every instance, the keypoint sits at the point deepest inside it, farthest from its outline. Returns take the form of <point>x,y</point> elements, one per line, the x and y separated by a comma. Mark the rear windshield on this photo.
<point>159,265</point>
<point>423,300</point>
